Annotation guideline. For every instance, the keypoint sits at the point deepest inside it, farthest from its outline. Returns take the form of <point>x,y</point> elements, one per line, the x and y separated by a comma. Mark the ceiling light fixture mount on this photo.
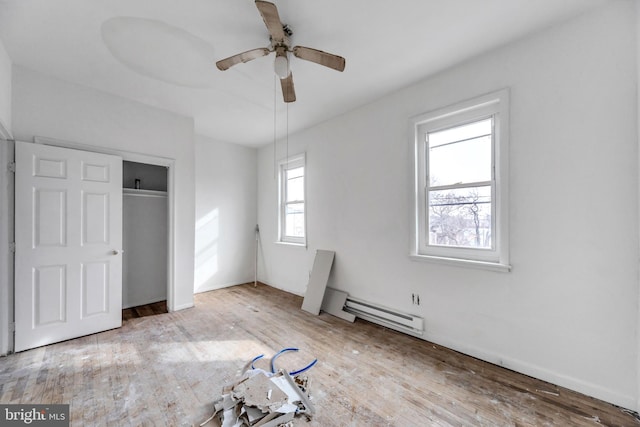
<point>281,48</point>
<point>281,65</point>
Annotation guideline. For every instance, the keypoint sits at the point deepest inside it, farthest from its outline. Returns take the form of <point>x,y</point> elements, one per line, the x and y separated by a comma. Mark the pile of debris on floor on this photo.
<point>264,399</point>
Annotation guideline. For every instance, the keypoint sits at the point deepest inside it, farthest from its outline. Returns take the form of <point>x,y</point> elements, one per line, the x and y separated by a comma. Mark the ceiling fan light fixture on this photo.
<point>280,45</point>
<point>281,66</point>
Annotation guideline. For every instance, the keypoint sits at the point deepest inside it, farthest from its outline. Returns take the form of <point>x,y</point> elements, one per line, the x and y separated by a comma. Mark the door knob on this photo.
<point>117,252</point>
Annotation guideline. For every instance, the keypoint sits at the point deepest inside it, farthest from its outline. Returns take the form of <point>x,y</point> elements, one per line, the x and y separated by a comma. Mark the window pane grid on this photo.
<point>292,201</point>
<point>461,132</point>
<point>454,186</point>
<point>461,199</point>
<point>294,220</point>
<point>459,186</point>
<point>462,154</point>
<point>461,217</point>
<point>295,190</point>
<point>295,173</point>
<point>445,144</point>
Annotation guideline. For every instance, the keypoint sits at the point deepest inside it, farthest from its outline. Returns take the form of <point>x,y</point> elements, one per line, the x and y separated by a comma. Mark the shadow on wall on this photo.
<point>206,249</point>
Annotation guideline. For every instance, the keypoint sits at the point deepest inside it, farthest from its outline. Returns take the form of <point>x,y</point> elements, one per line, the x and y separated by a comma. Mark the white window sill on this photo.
<point>483,265</point>
<point>300,245</point>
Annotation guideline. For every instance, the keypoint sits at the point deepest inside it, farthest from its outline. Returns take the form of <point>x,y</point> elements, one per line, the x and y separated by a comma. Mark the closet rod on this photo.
<point>143,193</point>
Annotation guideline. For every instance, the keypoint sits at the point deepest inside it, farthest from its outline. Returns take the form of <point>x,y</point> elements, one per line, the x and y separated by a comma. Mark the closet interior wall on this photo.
<point>144,234</point>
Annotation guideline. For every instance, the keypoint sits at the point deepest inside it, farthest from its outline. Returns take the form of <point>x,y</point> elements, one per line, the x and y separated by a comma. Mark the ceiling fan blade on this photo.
<point>288,92</point>
<point>319,57</point>
<point>225,64</point>
<point>269,13</point>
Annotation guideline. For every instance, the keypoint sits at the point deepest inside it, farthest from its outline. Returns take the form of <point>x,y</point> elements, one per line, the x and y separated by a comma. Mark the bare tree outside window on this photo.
<point>457,219</point>
<point>459,201</point>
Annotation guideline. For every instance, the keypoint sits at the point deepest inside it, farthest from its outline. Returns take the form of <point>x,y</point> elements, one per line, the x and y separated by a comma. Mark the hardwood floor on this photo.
<point>167,369</point>
<point>159,307</point>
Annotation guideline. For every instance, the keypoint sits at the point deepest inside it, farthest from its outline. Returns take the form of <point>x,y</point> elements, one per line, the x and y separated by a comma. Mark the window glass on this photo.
<point>461,191</point>
<point>295,219</point>
<point>460,217</point>
<point>295,184</point>
<point>461,154</point>
<point>292,201</point>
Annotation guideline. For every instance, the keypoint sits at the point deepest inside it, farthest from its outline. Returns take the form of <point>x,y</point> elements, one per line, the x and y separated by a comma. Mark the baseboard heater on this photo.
<point>384,316</point>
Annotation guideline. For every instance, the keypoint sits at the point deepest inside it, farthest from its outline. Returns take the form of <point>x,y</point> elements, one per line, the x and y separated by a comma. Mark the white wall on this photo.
<point>7,150</point>
<point>5,90</point>
<point>6,203</point>
<point>144,241</point>
<point>638,119</point>
<point>226,206</point>
<point>44,106</point>
<point>568,310</point>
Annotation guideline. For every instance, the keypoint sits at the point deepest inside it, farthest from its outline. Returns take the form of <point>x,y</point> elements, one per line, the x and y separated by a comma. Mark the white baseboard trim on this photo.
<point>572,383</point>
<point>184,306</point>
<point>143,302</point>
<point>221,286</point>
<point>575,384</point>
<point>291,291</point>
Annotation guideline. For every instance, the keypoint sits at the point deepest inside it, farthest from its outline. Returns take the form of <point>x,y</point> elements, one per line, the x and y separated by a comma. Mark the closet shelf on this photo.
<point>145,193</point>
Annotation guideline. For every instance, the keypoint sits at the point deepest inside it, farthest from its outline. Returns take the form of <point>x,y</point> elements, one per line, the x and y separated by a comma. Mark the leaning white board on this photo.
<point>318,281</point>
<point>334,302</point>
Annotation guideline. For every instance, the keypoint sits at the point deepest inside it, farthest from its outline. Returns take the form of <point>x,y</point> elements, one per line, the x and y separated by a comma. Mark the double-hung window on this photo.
<point>292,220</point>
<point>461,156</point>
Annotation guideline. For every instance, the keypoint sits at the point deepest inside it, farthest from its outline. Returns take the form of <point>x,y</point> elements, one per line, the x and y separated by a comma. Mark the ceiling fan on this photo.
<point>280,44</point>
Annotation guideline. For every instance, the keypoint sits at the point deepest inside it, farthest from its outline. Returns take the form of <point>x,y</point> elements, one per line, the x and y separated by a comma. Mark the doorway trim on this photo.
<point>6,237</point>
<point>140,158</point>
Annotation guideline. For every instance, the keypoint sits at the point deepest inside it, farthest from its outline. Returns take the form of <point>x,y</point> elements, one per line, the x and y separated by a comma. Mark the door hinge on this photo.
<point>11,167</point>
<point>12,327</point>
<point>12,247</point>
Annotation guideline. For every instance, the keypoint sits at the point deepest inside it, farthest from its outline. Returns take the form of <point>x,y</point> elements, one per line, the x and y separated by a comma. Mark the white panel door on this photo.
<point>68,222</point>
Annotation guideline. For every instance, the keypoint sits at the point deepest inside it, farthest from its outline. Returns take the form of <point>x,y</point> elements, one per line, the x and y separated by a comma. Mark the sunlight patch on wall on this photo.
<point>206,249</point>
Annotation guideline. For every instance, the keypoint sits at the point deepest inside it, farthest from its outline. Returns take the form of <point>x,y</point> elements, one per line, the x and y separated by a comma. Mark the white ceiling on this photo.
<point>163,52</point>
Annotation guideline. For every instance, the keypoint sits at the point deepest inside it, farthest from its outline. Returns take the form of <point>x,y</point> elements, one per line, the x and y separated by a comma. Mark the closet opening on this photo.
<point>145,229</point>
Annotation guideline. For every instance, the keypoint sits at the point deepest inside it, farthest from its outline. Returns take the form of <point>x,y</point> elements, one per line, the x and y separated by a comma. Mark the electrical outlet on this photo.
<point>415,299</point>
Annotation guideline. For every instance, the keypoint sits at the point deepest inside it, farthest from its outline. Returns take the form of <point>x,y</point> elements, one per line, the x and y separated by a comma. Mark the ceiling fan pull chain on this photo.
<point>275,146</point>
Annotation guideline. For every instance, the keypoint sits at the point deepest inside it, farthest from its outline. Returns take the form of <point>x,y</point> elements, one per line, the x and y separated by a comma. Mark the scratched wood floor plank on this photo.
<point>167,369</point>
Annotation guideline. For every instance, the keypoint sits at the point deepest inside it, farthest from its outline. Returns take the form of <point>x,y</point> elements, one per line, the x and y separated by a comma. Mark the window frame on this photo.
<point>495,105</point>
<point>285,165</point>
